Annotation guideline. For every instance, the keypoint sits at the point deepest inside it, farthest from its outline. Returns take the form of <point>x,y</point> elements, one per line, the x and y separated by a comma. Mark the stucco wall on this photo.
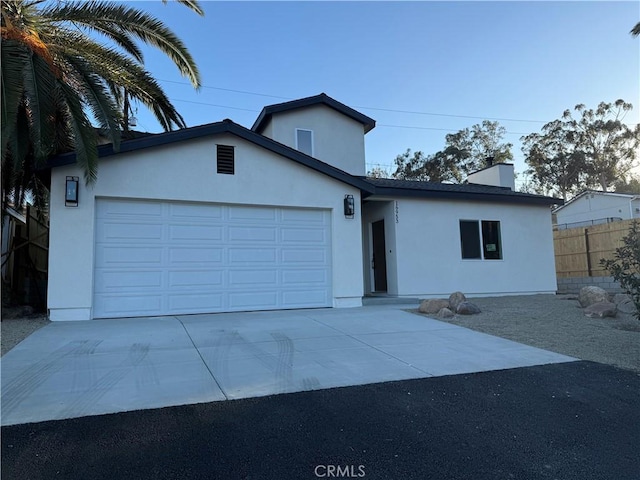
<point>337,139</point>
<point>594,206</point>
<point>187,171</point>
<point>430,263</point>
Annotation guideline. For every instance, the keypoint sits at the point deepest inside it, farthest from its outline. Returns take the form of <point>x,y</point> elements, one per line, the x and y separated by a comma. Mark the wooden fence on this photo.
<point>578,250</point>
<point>27,259</point>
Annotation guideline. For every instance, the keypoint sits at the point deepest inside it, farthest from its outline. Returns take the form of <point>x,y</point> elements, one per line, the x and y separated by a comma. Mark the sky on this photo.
<point>420,69</point>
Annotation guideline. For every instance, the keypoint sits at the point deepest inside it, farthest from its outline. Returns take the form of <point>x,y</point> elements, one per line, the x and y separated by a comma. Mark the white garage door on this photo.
<point>164,258</point>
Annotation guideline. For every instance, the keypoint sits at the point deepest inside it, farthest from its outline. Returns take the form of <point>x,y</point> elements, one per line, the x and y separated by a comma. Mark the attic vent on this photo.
<point>226,160</point>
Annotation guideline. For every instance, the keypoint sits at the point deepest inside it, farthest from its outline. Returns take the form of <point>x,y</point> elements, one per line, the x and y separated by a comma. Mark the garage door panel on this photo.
<point>191,278</point>
<point>195,303</point>
<point>243,278</point>
<point>256,300</point>
<point>254,214</point>
<point>195,255</point>
<point>304,277</point>
<point>195,233</point>
<point>124,281</point>
<point>304,298</point>
<point>162,258</point>
<point>305,256</point>
<point>242,256</point>
<point>117,256</point>
<point>304,235</point>
<point>107,232</point>
<point>129,305</point>
<point>195,213</point>
<point>253,234</point>
<point>139,209</point>
<point>316,217</point>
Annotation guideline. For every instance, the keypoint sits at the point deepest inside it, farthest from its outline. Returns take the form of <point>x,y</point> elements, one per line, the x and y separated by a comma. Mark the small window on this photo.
<point>470,239</point>
<point>304,141</point>
<point>226,159</point>
<point>491,248</point>
<point>487,247</point>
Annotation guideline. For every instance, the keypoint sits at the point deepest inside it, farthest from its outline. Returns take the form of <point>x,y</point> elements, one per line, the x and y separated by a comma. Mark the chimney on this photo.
<point>498,175</point>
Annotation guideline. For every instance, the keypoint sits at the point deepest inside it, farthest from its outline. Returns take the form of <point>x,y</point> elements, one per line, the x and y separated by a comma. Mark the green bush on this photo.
<point>625,265</point>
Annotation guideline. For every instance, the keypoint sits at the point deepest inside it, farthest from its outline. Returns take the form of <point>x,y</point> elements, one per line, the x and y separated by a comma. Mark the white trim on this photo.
<point>69,314</point>
<point>312,142</point>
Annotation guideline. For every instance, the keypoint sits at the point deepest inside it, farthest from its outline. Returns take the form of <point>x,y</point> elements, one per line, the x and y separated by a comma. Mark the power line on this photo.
<point>392,110</point>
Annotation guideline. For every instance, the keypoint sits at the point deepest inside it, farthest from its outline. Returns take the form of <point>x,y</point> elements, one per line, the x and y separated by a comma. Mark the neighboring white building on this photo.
<point>593,207</point>
<point>221,218</point>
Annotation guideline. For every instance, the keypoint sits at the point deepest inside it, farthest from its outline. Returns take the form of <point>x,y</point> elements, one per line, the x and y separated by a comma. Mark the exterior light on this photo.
<point>349,206</point>
<point>71,192</point>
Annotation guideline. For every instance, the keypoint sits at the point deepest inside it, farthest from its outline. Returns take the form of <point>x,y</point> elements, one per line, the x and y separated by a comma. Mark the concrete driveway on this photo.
<point>75,369</point>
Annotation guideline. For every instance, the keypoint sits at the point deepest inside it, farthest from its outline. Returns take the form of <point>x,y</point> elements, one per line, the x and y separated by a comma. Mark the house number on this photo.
<point>397,211</point>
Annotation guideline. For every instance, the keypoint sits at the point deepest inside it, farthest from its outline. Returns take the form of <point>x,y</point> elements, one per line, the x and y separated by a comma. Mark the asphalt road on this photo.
<point>578,420</point>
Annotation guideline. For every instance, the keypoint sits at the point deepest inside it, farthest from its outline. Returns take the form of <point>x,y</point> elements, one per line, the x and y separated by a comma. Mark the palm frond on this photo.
<point>97,96</point>
<point>191,4</point>
<point>96,15</point>
<point>84,135</point>
<point>13,59</point>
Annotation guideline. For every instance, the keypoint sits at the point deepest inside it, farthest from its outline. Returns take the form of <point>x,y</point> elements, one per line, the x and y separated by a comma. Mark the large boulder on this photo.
<point>467,308</point>
<point>445,313</point>
<point>601,310</point>
<point>433,305</point>
<point>590,295</point>
<point>624,302</point>
<point>455,299</point>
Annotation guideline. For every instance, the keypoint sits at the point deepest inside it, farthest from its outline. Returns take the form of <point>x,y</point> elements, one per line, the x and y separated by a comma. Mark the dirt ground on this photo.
<point>556,323</point>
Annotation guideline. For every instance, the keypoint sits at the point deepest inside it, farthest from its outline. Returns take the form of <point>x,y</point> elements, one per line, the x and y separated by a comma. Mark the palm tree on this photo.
<point>635,31</point>
<point>59,82</point>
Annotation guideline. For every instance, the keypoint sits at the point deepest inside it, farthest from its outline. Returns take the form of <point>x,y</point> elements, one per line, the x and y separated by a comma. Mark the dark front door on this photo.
<point>379,260</point>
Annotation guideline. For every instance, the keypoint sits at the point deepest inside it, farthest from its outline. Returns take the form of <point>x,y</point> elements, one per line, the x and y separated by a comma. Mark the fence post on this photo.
<point>586,242</point>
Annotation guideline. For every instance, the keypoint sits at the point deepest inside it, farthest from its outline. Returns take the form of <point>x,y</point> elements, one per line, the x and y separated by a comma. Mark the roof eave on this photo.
<point>479,196</point>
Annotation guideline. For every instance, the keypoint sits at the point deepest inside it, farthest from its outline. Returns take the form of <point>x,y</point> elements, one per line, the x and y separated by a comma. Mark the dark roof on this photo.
<point>226,126</point>
<point>448,191</point>
<point>322,99</point>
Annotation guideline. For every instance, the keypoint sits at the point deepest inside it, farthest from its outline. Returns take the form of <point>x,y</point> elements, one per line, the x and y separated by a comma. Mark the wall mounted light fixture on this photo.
<point>71,192</point>
<point>349,206</point>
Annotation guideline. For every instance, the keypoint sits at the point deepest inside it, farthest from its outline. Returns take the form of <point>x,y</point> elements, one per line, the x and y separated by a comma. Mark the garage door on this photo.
<point>165,258</point>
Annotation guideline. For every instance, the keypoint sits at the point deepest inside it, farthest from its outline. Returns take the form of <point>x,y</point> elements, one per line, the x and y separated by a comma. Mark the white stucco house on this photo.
<point>593,207</point>
<point>220,218</point>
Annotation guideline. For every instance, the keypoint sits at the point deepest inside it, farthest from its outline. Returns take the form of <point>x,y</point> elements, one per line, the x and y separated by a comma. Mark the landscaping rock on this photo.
<point>445,313</point>
<point>590,295</point>
<point>624,303</point>
<point>601,310</point>
<point>456,299</point>
<point>467,308</point>
<point>433,305</point>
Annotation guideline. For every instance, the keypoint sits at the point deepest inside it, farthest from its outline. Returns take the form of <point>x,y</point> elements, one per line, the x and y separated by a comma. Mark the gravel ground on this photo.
<point>14,330</point>
<point>552,322</point>
<point>556,323</point>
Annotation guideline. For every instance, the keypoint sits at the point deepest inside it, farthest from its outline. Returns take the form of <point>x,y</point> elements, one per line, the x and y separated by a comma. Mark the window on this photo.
<point>226,159</point>
<point>475,246</point>
<point>304,141</point>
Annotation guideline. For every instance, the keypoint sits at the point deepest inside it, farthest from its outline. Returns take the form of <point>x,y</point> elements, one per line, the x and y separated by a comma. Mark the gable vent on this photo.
<point>226,160</point>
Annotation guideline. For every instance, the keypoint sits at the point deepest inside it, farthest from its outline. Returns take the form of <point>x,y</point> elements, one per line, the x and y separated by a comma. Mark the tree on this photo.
<point>465,152</point>
<point>635,31</point>
<point>379,172</point>
<point>630,185</point>
<point>594,150</point>
<point>57,78</point>
<point>438,167</point>
<point>470,148</point>
<point>555,166</point>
